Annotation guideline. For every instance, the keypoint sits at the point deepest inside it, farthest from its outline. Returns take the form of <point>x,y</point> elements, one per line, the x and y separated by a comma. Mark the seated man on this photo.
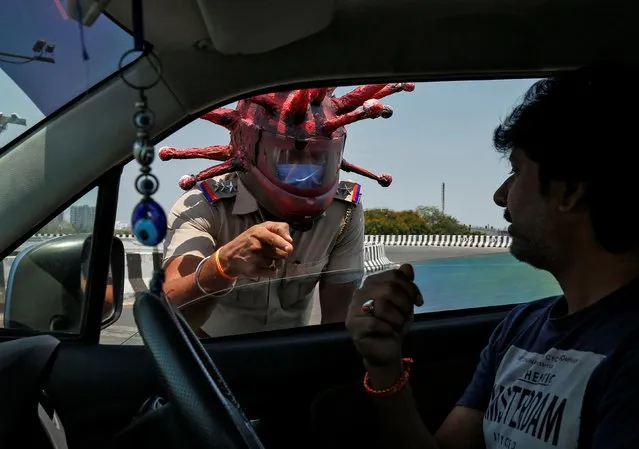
<point>560,372</point>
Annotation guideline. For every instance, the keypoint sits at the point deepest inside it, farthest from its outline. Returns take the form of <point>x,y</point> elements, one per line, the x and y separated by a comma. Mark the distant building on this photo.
<point>119,226</point>
<point>82,217</point>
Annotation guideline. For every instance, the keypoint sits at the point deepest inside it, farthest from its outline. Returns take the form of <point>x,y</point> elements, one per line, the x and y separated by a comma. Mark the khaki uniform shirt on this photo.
<point>220,209</point>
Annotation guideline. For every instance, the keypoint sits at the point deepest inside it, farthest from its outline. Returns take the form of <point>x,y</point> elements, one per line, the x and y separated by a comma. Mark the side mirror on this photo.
<point>46,286</point>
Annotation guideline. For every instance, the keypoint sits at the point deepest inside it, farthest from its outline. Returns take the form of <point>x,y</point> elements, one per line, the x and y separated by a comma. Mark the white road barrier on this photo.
<point>466,241</point>
<point>375,257</point>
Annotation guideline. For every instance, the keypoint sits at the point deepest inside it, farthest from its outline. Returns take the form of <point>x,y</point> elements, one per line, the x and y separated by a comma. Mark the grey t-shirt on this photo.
<point>551,380</point>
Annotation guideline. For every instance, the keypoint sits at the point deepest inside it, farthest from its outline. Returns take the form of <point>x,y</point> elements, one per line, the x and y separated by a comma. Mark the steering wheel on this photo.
<point>205,407</point>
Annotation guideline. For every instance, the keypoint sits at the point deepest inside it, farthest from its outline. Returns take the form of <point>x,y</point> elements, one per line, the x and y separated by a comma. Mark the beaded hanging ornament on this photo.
<point>148,220</point>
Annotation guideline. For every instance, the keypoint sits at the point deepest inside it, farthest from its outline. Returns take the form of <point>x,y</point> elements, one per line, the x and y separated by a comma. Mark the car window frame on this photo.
<point>429,319</point>
<point>100,260</point>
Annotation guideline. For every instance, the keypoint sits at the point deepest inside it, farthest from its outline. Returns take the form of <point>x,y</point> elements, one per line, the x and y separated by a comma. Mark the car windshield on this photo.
<point>48,59</point>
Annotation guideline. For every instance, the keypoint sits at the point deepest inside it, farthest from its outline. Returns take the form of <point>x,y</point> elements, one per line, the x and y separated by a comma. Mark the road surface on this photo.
<point>124,331</point>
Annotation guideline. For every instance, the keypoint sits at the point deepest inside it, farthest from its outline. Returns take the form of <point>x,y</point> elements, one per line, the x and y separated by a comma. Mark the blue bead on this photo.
<point>149,223</point>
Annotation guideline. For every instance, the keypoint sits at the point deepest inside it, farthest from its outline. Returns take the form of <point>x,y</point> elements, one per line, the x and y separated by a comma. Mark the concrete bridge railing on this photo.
<point>470,241</point>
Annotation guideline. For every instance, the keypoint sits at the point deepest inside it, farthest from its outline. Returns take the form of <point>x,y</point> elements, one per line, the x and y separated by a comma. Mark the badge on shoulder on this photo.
<point>349,191</point>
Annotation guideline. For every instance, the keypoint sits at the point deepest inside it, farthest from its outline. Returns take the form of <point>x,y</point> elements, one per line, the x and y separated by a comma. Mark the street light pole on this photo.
<point>29,58</point>
<point>39,48</point>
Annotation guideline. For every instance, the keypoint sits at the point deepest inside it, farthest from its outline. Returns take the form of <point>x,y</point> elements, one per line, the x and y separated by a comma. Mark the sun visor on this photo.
<point>250,27</point>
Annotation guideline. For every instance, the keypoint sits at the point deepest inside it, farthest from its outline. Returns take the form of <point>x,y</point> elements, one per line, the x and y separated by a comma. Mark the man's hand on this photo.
<point>378,334</point>
<point>258,251</point>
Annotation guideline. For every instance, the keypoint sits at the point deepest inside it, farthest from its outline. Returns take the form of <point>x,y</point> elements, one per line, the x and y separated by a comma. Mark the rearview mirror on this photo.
<point>47,285</point>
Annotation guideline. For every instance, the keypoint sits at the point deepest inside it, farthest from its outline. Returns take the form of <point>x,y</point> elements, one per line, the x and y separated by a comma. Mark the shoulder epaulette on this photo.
<point>219,187</point>
<point>349,191</point>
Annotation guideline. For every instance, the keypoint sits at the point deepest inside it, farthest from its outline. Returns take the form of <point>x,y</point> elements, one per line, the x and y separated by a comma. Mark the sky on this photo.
<point>439,133</point>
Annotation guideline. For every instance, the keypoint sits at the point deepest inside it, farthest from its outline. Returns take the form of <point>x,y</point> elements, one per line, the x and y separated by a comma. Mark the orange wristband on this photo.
<point>396,387</point>
<point>220,270</point>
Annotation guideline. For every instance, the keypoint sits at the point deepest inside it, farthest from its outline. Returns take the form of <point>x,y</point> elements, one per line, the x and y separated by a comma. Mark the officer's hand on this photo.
<point>258,251</point>
<point>378,334</point>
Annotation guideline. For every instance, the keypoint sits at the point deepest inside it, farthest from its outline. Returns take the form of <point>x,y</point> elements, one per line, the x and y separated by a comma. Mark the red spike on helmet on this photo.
<point>287,147</point>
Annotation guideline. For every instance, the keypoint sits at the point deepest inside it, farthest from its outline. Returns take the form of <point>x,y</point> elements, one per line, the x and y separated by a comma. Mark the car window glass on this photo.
<point>437,214</point>
<point>39,289</point>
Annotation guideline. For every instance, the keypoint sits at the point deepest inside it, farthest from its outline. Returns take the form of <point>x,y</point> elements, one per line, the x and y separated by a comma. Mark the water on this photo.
<point>479,281</point>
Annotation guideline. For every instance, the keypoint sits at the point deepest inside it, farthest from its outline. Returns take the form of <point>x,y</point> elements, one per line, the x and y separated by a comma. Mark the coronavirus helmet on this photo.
<point>287,147</point>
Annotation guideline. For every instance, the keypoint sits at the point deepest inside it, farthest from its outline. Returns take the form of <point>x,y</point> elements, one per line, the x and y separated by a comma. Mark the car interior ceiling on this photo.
<point>285,378</point>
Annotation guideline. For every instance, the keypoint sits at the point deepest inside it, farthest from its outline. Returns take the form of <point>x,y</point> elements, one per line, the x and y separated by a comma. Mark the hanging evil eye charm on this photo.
<point>149,222</point>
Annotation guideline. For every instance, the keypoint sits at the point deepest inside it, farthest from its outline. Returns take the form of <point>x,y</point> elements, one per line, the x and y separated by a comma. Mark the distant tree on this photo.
<point>441,223</point>
<point>58,227</point>
<point>389,222</point>
<point>122,231</point>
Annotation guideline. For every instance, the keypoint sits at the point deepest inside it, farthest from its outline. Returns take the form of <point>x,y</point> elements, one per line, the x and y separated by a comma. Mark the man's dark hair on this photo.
<point>582,125</point>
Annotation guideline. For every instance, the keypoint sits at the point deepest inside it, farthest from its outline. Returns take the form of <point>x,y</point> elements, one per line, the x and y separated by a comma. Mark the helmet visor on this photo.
<point>303,167</point>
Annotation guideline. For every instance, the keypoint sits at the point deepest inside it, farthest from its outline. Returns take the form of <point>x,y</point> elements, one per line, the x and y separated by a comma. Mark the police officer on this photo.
<point>246,250</point>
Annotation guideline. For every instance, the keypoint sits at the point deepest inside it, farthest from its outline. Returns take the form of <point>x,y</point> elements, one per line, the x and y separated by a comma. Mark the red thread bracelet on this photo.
<point>396,387</point>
